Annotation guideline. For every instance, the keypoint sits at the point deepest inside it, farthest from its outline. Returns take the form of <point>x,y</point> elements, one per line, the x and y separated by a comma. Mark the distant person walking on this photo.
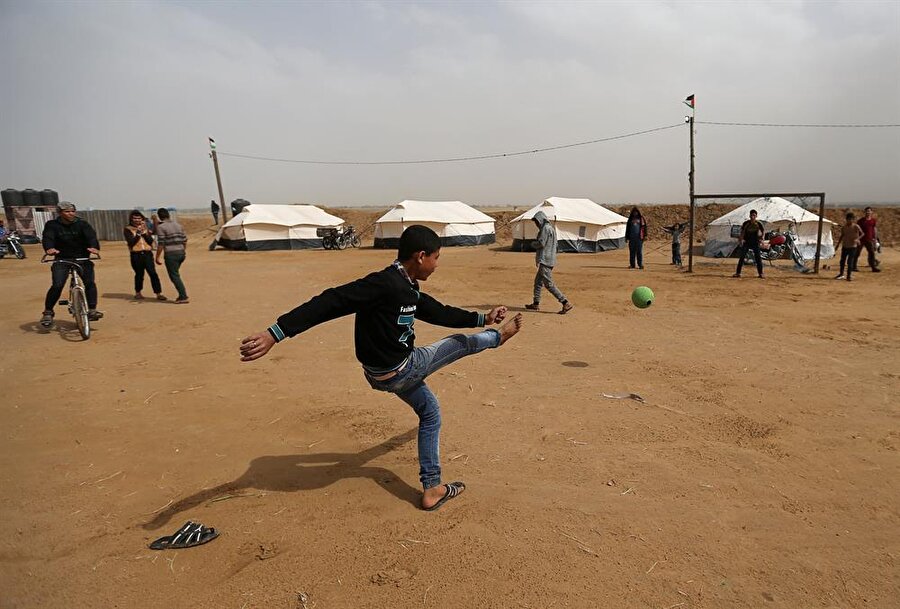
<point>214,208</point>
<point>869,227</point>
<point>749,239</point>
<point>851,233</point>
<point>171,241</point>
<point>140,245</point>
<point>675,230</point>
<point>635,234</point>
<point>545,258</point>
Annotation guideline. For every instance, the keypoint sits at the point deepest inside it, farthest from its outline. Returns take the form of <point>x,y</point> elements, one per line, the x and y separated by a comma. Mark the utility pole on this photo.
<point>215,160</point>
<point>690,121</point>
<point>819,233</point>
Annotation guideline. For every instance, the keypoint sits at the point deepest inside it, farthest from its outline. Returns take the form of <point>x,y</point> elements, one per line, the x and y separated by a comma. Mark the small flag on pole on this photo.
<point>689,100</point>
<point>212,142</point>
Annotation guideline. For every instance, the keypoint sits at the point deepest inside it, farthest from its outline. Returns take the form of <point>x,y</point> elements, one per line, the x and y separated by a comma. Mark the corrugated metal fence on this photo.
<point>108,223</point>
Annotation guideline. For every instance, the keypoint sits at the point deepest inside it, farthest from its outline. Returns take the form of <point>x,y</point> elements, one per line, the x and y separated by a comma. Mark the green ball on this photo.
<point>642,297</point>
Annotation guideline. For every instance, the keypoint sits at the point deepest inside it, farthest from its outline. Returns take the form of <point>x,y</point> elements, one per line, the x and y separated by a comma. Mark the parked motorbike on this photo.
<point>774,245</point>
<point>12,244</point>
<point>337,239</point>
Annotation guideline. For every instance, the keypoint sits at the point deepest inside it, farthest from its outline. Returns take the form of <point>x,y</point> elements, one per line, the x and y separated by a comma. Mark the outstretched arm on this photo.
<point>330,304</point>
<point>431,311</point>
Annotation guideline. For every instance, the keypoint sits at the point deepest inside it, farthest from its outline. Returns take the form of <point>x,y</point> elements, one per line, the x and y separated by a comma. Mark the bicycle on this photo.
<point>77,301</point>
<point>339,239</point>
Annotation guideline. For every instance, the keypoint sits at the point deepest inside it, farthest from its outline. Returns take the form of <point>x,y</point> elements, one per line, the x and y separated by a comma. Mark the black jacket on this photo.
<point>72,240</point>
<point>386,306</point>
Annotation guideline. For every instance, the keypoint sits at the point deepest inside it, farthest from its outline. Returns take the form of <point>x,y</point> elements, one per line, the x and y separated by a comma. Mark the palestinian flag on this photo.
<point>212,142</point>
<point>689,100</point>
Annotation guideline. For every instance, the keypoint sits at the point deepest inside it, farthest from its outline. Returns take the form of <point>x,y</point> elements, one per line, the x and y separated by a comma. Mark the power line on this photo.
<point>833,126</point>
<point>483,157</point>
<point>451,159</point>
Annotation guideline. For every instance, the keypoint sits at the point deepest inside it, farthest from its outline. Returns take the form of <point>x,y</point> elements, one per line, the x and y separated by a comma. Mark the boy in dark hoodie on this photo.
<point>386,304</point>
<point>545,259</point>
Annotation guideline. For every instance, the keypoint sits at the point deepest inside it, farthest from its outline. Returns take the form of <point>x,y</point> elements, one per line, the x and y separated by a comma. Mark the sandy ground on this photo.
<point>762,471</point>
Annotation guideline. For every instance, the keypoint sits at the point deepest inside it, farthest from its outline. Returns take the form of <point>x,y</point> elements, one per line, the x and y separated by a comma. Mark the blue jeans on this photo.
<point>409,385</point>
<point>635,253</point>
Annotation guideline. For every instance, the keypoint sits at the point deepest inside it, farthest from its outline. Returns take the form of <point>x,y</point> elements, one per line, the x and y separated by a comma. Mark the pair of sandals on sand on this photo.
<point>189,535</point>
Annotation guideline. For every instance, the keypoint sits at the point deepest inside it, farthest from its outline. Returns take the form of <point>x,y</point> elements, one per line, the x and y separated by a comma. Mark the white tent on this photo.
<point>774,213</point>
<point>455,223</point>
<point>276,227</point>
<point>581,226</point>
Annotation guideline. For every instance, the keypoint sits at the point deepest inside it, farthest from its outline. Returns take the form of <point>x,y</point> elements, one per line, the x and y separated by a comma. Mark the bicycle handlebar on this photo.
<point>45,259</point>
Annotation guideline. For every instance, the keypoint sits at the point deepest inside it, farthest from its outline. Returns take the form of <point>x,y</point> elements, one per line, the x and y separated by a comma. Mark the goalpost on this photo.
<point>750,196</point>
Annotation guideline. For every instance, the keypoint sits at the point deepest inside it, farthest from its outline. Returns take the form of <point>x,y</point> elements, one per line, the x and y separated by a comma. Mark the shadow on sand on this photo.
<point>512,308</point>
<point>66,330</point>
<point>290,473</point>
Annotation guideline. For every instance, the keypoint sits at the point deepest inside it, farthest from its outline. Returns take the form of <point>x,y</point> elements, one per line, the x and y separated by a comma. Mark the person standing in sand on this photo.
<point>675,230</point>
<point>386,304</point>
<point>851,233</point>
<point>140,246</point>
<point>869,226</point>
<point>749,239</point>
<point>171,242</point>
<point>635,235</point>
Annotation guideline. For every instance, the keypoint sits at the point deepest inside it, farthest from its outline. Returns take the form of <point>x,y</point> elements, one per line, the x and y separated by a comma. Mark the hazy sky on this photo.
<point>111,103</point>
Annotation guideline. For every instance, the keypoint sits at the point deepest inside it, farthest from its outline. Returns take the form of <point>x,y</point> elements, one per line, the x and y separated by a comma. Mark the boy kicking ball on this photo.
<point>386,304</point>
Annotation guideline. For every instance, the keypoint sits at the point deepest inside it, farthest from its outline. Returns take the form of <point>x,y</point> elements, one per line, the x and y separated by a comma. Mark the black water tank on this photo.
<point>11,197</point>
<point>31,198</point>
<point>49,198</point>
<point>238,205</point>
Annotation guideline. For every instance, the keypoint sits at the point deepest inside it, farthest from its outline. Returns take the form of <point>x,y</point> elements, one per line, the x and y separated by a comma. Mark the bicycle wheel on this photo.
<point>80,311</point>
<point>341,243</point>
<point>356,242</point>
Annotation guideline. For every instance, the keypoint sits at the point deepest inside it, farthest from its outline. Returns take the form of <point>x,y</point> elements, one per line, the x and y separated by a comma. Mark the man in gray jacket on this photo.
<point>545,258</point>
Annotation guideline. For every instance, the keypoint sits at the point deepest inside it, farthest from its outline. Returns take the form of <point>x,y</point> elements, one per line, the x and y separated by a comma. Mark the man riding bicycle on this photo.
<point>68,237</point>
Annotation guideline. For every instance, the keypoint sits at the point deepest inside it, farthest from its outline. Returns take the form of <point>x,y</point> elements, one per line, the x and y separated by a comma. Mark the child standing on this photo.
<point>675,230</point>
<point>851,233</point>
<point>386,304</point>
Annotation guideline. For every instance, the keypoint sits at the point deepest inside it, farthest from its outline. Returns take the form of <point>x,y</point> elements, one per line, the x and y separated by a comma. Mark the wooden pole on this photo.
<point>691,180</point>
<point>215,160</point>
<point>819,234</point>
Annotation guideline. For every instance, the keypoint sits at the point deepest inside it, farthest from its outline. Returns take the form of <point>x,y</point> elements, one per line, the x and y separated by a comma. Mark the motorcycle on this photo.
<point>773,246</point>
<point>12,244</point>
<point>337,239</point>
